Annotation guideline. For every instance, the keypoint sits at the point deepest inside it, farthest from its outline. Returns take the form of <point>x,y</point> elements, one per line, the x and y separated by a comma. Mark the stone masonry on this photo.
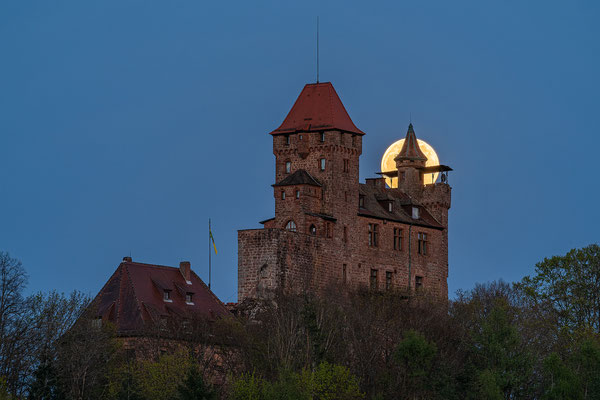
<point>329,229</point>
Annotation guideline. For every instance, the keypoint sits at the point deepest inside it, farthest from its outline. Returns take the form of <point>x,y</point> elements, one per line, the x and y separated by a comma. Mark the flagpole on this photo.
<point>209,255</point>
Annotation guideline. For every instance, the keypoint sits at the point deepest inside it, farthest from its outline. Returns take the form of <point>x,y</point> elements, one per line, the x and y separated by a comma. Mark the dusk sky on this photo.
<point>126,125</point>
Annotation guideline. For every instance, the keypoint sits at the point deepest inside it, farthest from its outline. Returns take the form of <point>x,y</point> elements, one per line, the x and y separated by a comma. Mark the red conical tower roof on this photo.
<point>318,108</point>
<point>410,149</point>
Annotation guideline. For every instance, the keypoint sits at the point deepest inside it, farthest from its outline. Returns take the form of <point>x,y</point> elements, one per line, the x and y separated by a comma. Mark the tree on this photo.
<point>570,286</point>
<point>416,355</point>
<point>194,387</point>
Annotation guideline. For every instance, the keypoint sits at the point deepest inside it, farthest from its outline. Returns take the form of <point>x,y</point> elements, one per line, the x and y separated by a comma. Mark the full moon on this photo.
<point>388,163</point>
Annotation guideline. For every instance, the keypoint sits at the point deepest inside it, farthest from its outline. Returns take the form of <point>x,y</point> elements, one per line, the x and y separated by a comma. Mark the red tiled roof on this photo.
<point>318,108</point>
<point>133,296</point>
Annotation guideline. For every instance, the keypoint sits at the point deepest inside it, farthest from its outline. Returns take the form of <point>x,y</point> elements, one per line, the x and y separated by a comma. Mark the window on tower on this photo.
<point>418,282</point>
<point>313,230</point>
<point>291,226</point>
<point>322,164</point>
<point>322,136</point>
<point>388,280</point>
<point>422,243</point>
<point>373,279</point>
<point>287,140</point>
<point>283,195</point>
<point>346,165</point>
<point>397,239</point>
<point>373,235</point>
<point>288,167</point>
<point>297,194</point>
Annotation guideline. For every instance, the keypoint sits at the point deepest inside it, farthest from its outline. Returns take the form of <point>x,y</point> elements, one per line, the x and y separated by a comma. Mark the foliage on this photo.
<point>326,382</point>
<point>570,286</point>
<point>194,388</point>
<point>160,379</point>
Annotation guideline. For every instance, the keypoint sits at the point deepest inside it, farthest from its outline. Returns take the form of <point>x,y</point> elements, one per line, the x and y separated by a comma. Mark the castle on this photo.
<point>328,228</point>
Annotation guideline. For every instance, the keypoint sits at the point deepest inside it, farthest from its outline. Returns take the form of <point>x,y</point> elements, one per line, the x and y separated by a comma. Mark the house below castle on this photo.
<point>330,230</point>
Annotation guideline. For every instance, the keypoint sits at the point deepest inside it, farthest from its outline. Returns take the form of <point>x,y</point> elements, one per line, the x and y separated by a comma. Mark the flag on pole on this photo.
<point>213,240</point>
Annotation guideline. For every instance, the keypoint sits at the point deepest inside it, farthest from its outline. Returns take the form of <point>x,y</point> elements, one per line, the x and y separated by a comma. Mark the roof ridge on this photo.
<point>135,296</point>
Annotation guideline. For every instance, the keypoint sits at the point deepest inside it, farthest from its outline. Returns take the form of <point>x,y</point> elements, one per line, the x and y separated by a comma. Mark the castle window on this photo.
<point>287,140</point>
<point>345,234</point>
<point>344,277</point>
<point>283,195</point>
<point>346,165</point>
<point>390,206</point>
<point>288,167</point>
<point>167,295</point>
<point>361,201</point>
<point>415,212</point>
<point>418,282</point>
<point>300,137</point>
<point>397,239</point>
<point>422,248</point>
<point>96,323</point>
<point>353,140</point>
<point>373,235</point>
<point>291,226</point>
<point>322,136</point>
<point>188,298</point>
<point>388,280</point>
<point>313,230</point>
<point>373,279</point>
<point>322,164</point>
<point>328,229</point>
<point>297,194</point>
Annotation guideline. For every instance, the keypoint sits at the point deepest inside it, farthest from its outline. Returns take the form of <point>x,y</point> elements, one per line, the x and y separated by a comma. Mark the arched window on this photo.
<point>312,230</point>
<point>291,226</point>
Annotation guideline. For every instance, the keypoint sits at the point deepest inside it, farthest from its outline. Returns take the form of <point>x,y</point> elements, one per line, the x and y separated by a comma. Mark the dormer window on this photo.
<point>167,295</point>
<point>322,136</point>
<point>390,206</point>
<point>188,298</point>
<point>288,167</point>
<point>361,201</point>
<point>415,212</point>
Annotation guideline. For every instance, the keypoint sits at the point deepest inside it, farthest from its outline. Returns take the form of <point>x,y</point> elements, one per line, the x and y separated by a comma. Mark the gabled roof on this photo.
<point>299,177</point>
<point>133,297</point>
<point>410,149</point>
<point>318,108</point>
<point>401,211</point>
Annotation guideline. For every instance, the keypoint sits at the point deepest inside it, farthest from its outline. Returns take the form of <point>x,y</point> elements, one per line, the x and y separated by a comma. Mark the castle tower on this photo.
<point>410,163</point>
<point>316,150</point>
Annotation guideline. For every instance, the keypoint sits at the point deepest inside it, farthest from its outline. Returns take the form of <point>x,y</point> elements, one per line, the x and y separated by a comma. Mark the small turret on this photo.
<point>410,163</point>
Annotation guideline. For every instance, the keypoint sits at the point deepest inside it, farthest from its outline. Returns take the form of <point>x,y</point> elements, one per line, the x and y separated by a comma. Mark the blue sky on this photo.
<point>125,125</point>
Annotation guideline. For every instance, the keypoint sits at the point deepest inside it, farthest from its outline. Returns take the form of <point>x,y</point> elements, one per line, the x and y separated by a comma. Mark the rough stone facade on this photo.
<point>343,232</point>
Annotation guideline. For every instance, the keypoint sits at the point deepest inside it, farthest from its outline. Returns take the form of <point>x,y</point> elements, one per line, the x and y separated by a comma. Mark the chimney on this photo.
<point>185,269</point>
<point>127,259</point>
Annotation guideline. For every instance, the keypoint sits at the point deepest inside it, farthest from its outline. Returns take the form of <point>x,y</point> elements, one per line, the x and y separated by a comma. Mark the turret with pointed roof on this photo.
<point>410,163</point>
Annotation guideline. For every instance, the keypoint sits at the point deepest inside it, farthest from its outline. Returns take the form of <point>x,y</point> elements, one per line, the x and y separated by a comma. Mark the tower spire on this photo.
<point>317,49</point>
<point>410,149</point>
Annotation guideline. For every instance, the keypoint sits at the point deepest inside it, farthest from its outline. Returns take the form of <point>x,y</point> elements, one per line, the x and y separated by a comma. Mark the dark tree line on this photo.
<point>535,339</point>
